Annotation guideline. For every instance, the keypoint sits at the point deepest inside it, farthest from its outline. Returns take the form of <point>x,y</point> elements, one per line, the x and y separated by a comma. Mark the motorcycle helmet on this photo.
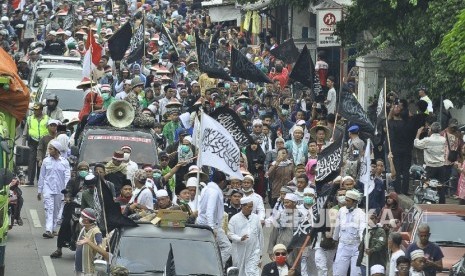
<point>417,172</point>
<point>52,97</point>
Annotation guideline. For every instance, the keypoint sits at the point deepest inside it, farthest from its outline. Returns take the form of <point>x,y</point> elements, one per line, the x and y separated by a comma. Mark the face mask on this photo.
<point>83,174</point>
<point>217,104</point>
<point>285,112</point>
<point>308,200</point>
<point>105,96</point>
<point>156,175</point>
<point>185,148</point>
<point>109,74</point>
<point>244,105</point>
<point>280,260</point>
<point>247,190</point>
<point>126,156</point>
<point>242,113</point>
<point>341,199</point>
<point>227,86</point>
<point>261,112</point>
<point>81,221</point>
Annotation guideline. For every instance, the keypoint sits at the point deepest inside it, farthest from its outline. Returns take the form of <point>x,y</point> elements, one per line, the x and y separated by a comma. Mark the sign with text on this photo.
<point>326,24</point>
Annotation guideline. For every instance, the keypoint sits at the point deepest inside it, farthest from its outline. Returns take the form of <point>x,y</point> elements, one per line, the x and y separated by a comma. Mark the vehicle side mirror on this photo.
<point>405,236</point>
<point>75,151</point>
<point>101,266</point>
<point>22,155</point>
<point>232,271</point>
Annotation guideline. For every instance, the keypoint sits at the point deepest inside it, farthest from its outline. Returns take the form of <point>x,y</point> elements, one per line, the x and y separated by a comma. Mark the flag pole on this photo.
<point>367,241</point>
<point>143,40</point>
<point>386,118</point>
<point>337,112</point>
<point>103,211</point>
<point>301,251</point>
<point>198,136</point>
<point>91,71</point>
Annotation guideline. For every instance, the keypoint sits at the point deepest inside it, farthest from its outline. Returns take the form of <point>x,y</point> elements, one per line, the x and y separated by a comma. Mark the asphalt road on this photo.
<point>27,252</point>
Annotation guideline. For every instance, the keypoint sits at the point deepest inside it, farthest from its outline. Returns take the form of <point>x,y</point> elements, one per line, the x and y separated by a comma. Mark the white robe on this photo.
<point>246,254</point>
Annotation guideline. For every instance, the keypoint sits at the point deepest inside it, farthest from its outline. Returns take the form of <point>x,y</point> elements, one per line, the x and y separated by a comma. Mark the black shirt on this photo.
<point>231,210</point>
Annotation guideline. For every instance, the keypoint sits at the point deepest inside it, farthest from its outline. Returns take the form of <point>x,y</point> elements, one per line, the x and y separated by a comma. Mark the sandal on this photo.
<point>56,254</point>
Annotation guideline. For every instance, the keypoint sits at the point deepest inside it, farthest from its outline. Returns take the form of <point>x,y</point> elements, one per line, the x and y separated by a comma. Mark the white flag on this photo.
<point>365,171</point>
<point>87,65</point>
<point>218,148</point>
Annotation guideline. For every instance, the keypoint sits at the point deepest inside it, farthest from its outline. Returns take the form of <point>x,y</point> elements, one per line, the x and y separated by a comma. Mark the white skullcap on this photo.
<point>110,16</point>
<point>300,122</point>
<point>127,82</point>
<point>53,121</point>
<point>415,254</point>
<point>249,177</point>
<point>448,104</point>
<point>246,200</point>
<point>337,179</point>
<point>193,167</point>
<point>279,246</point>
<point>377,269</point>
<point>152,108</point>
<point>298,128</point>
<point>89,177</point>
<point>257,122</point>
<point>192,182</point>
<point>353,194</point>
<point>292,197</point>
<point>188,138</point>
<point>161,193</point>
<point>68,33</point>
<point>309,190</point>
<point>347,177</point>
<point>57,145</point>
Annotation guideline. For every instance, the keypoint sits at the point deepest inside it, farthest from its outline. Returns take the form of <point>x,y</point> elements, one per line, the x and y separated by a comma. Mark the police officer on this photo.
<point>36,128</point>
<point>350,224</point>
<point>354,151</point>
<point>52,110</point>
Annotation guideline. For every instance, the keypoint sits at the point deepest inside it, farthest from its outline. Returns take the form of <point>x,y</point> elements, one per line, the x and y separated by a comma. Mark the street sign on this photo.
<point>326,24</point>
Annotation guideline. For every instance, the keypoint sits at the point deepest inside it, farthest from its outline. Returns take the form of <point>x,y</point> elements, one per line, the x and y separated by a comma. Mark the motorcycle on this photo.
<point>458,269</point>
<point>71,215</point>
<point>427,191</point>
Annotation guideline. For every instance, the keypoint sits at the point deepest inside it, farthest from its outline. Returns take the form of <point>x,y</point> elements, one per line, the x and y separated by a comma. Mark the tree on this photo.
<point>413,29</point>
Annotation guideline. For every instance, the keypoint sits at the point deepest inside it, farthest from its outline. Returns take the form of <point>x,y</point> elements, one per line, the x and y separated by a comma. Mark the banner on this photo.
<point>329,162</point>
<point>119,42</point>
<point>241,67</point>
<point>68,20</point>
<point>351,109</point>
<point>218,148</point>
<point>207,61</point>
<point>286,51</point>
<point>167,40</point>
<point>104,203</point>
<point>136,46</point>
<point>233,124</point>
<point>365,171</point>
<point>304,69</point>
<point>380,112</point>
<point>170,268</point>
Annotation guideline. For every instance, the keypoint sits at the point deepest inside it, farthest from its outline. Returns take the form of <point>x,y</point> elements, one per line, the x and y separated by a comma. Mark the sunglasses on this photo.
<point>280,254</point>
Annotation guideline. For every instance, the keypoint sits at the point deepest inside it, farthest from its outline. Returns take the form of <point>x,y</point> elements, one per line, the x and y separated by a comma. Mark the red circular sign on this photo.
<point>329,19</point>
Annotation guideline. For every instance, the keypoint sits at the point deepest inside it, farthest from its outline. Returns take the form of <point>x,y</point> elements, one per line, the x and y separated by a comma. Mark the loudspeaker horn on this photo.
<point>120,114</point>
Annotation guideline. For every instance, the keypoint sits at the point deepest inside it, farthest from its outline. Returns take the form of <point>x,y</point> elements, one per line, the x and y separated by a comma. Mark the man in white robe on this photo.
<point>245,231</point>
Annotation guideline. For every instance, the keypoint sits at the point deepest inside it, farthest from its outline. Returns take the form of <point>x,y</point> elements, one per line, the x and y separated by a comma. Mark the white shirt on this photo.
<point>283,270</point>
<point>211,206</point>
<point>430,103</point>
<point>433,149</point>
<point>54,175</point>
<point>349,226</point>
<point>121,95</point>
<point>331,98</point>
<point>145,197</point>
<point>131,169</point>
<point>393,262</point>
<point>162,105</point>
<point>258,206</point>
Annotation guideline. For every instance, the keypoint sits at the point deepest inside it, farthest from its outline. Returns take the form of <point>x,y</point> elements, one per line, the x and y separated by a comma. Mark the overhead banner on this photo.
<point>326,25</point>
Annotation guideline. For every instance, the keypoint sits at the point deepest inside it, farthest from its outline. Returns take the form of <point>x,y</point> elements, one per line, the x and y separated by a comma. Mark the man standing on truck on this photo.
<point>36,128</point>
<point>54,175</point>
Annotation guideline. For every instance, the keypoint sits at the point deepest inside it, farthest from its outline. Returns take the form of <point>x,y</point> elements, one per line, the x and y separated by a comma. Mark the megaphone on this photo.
<point>120,114</point>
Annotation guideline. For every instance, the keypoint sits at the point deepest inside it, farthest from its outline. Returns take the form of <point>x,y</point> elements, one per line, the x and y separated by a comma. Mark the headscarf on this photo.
<point>110,167</point>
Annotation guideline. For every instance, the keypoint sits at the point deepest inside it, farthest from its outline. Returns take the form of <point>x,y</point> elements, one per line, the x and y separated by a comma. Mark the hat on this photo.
<point>118,270</point>
<point>453,122</point>
<point>57,145</point>
<point>163,154</point>
<point>246,199</point>
<point>37,106</point>
<point>249,177</point>
<point>83,164</point>
<point>52,33</point>
<point>337,179</point>
<point>377,269</point>
<point>242,98</point>
<point>292,197</point>
<point>53,121</point>
<point>415,254</point>
<point>188,138</point>
<point>173,103</point>
<point>85,82</point>
<point>126,147</point>
<point>298,128</point>
<point>140,175</point>
<point>300,122</point>
<point>347,177</point>
<point>193,173</point>
<point>73,122</point>
<point>161,193</point>
<point>309,190</point>
<point>353,194</point>
<point>89,213</point>
<point>279,246</point>
<point>68,33</point>
<point>136,81</point>
<point>126,182</point>
<point>286,189</point>
<point>448,104</point>
<point>118,155</point>
<point>192,182</point>
<point>354,129</point>
<point>316,128</point>
<point>257,122</point>
<point>90,180</point>
<point>105,88</point>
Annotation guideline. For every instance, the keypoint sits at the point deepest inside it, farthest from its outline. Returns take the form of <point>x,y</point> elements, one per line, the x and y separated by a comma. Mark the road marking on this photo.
<point>35,218</point>
<point>49,266</point>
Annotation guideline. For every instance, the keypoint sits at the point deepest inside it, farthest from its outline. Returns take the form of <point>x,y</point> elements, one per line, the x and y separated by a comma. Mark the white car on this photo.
<point>53,70</point>
<point>70,99</point>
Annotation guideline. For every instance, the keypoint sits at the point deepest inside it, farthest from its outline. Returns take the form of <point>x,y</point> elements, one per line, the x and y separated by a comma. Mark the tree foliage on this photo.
<point>414,30</point>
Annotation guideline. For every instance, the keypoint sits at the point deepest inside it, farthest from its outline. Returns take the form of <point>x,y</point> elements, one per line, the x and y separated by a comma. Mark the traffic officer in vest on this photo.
<point>350,224</point>
<point>36,128</point>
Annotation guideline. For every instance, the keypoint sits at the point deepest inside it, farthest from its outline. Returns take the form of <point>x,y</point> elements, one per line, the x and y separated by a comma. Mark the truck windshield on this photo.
<point>99,148</point>
<point>139,254</point>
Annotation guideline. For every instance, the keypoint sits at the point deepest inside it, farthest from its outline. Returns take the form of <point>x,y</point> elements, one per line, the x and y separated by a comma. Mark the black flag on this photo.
<point>119,42</point>
<point>319,223</point>
<point>233,124</point>
<point>329,162</point>
<point>207,61</point>
<point>351,109</point>
<point>304,69</point>
<point>136,46</point>
<point>68,20</point>
<point>111,211</point>
<point>287,51</point>
<point>241,67</point>
<point>167,40</point>
<point>170,268</point>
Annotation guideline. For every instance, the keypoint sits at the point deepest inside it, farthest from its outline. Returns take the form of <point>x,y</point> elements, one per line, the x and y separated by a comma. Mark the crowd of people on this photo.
<point>289,129</point>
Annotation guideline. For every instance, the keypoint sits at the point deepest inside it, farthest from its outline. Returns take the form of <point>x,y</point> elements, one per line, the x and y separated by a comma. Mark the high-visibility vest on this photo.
<point>37,128</point>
